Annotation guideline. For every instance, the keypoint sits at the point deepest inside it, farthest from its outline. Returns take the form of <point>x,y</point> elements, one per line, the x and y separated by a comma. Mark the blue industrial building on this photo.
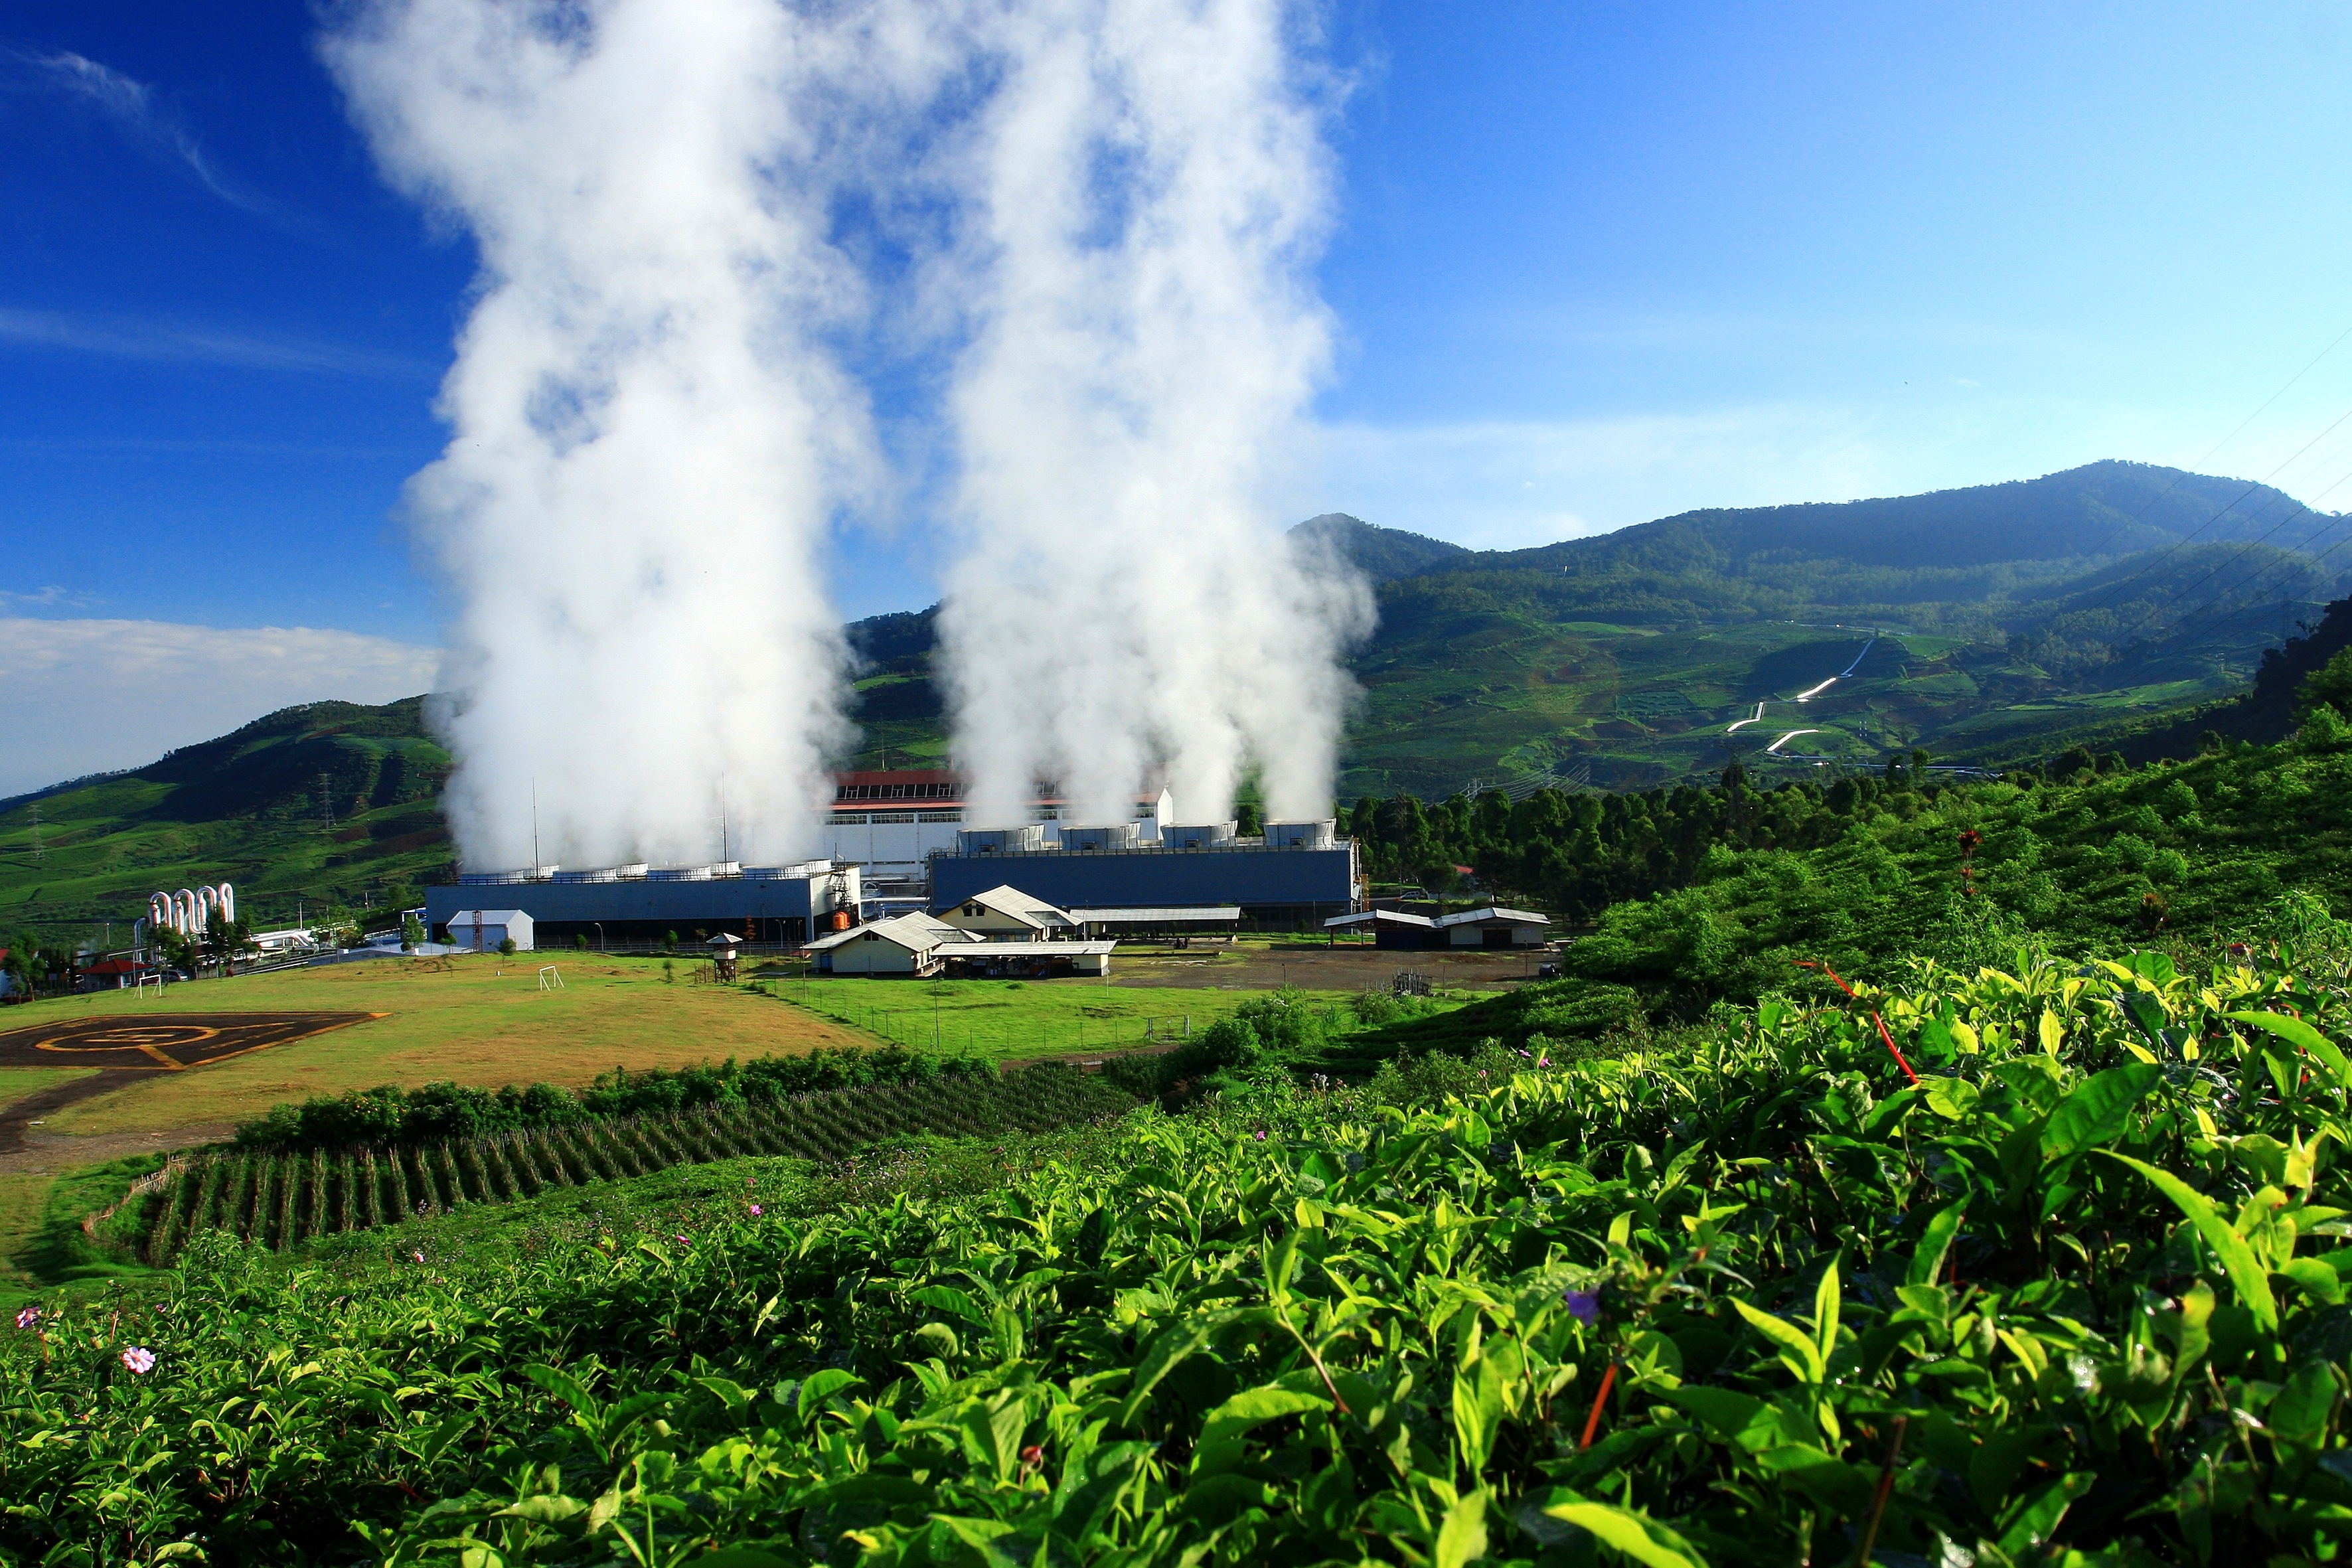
<point>633,906</point>
<point>1275,887</point>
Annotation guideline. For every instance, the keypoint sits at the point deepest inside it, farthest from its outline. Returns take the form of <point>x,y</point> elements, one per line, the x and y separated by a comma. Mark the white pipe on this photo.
<point>1816,692</point>
<point>227,904</point>
<point>1784,739</point>
<point>1756,718</point>
<point>184,905</point>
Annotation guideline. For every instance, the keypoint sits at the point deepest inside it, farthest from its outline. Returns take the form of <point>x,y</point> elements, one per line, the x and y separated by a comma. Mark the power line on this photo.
<point>2179,475</point>
<point>2185,540</point>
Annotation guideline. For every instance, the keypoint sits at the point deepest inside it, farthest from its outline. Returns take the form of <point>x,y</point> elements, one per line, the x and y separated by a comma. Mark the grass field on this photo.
<point>1017,1019</point>
<point>473,1020</point>
<point>15,1083</point>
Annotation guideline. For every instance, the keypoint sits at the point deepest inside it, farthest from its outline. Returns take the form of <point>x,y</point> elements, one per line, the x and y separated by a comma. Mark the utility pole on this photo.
<point>326,805</point>
<point>38,851</point>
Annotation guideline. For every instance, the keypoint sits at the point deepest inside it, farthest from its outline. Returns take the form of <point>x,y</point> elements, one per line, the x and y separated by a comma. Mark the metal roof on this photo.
<point>1157,916</point>
<point>916,934</point>
<point>1495,912</point>
<point>487,917</point>
<point>1019,949</point>
<point>1374,917</point>
<point>1007,899</point>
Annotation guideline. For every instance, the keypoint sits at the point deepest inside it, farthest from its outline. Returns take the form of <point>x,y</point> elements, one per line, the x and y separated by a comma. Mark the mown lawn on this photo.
<point>471,1020</point>
<point>1018,1019</point>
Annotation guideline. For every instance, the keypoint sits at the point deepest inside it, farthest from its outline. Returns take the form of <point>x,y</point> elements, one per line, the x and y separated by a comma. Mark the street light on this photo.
<point>600,934</point>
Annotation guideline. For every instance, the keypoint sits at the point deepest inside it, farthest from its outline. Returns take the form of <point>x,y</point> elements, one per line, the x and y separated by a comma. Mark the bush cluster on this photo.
<point>436,1112</point>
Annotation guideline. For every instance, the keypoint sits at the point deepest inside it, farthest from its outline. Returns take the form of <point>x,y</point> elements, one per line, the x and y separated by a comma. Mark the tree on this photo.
<point>412,933</point>
<point>224,940</point>
<point>506,947</point>
<point>2330,685</point>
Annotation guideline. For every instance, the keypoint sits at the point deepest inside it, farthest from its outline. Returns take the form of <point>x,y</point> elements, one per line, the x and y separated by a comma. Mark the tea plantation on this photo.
<point>2076,1294</point>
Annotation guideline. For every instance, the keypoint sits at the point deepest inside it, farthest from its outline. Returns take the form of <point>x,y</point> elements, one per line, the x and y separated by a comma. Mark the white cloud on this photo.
<point>86,696</point>
<point>129,339</point>
<point>132,107</point>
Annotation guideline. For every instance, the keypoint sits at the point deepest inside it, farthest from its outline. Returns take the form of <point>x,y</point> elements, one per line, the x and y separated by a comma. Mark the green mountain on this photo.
<point>2115,606</point>
<point>328,804</point>
<point>2001,622</point>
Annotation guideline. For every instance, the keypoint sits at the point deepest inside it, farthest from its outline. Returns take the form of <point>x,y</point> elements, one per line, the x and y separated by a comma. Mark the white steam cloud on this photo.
<point>1150,181</point>
<point>652,431</point>
<point>649,436</point>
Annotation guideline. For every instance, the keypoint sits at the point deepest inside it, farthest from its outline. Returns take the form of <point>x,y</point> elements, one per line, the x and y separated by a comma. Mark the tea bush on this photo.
<point>2076,1295</point>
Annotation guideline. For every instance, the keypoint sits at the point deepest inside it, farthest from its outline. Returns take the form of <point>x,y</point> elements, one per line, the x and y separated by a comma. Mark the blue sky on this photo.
<point>1594,264</point>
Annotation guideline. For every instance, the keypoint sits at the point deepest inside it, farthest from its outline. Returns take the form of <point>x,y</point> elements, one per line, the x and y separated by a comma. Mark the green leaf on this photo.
<point>1935,1244</point>
<point>1754,1424</point>
<point>822,1387</point>
<point>729,1393</point>
<point>567,1388</point>
<point>1634,1535</point>
<point>1220,1446</point>
<point>2099,1110</point>
<point>1170,1346</point>
<point>948,1298</point>
<point>2037,1517</point>
<point>2299,1413</point>
<point>1826,1298</point>
<point>739,1557</point>
<point>544,1510</point>
<point>2246,1274</point>
<point>1786,1335</point>
<point>1477,1413</point>
<point>2296,1031</point>
<point>1462,1537</point>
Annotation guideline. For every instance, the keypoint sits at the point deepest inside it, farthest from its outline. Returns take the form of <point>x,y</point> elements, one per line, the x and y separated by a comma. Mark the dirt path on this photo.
<point>25,1150</point>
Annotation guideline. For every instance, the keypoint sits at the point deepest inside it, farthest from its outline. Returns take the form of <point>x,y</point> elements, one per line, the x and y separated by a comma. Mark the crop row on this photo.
<point>281,1199</point>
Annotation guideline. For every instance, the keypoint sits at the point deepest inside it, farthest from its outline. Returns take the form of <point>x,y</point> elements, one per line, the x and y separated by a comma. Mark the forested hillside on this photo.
<point>2116,607</point>
<point>333,803</point>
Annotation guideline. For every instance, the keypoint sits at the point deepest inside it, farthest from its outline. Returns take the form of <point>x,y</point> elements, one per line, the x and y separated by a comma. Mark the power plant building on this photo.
<point>624,906</point>
<point>1298,874</point>
<point>892,822</point>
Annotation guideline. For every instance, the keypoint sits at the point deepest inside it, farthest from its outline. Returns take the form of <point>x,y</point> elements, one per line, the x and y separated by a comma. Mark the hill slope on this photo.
<point>2114,604</point>
<point>331,803</point>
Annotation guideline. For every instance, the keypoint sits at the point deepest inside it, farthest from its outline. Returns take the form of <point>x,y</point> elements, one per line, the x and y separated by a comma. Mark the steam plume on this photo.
<point>649,436</point>
<point>1148,180</point>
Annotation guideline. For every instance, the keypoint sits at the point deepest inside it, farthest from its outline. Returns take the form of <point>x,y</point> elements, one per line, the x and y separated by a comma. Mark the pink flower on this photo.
<point>138,1359</point>
<point>419,1255</point>
<point>683,1238</point>
<point>29,1316</point>
<point>1261,1137</point>
<point>755,1211</point>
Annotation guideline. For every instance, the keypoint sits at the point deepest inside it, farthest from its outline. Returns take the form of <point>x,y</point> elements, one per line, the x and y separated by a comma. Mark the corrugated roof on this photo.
<point>915,932</point>
<point>1374,917</point>
<point>1020,948</point>
<point>1495,912</point>
<point>1155,916</point>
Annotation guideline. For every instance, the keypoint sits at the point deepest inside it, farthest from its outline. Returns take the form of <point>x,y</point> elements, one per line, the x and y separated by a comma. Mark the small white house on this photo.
<point>906,944</point>
<point>1007,915</point>
<point>485,931</point>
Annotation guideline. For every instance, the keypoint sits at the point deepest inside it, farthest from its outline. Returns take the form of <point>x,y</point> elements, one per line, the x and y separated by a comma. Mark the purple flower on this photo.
<point>29,1316</point>
<point>1584,1306</point>
<point>138,1359</point>
<point>1261,1137</point>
